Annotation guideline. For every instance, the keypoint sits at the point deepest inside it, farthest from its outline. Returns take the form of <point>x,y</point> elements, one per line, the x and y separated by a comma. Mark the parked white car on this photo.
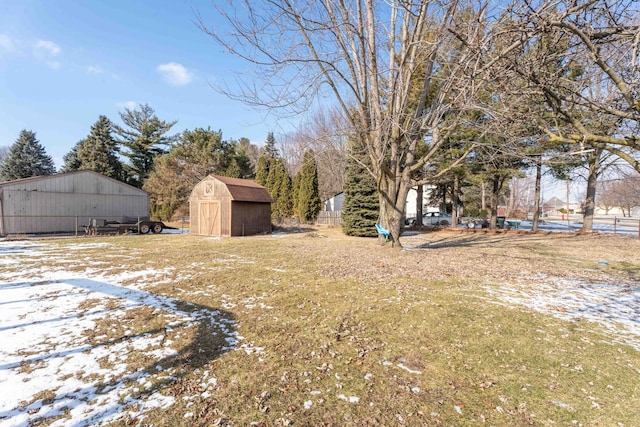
<point>432,219</point>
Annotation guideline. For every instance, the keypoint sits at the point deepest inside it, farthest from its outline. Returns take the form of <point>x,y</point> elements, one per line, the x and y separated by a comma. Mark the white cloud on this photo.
<point>127,105</point>
<point>175,74</point>
<point>94,69</point>
<point>54,65</point>
<point>46,48</point>
<point>6,43</point>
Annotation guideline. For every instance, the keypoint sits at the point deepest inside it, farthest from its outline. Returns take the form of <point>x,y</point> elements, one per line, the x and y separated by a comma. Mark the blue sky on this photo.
<point>63,63</point>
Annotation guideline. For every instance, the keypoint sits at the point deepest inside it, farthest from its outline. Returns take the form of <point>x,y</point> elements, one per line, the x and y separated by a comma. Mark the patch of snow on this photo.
<point>615,307</point>
<point>350,399</point>
<point>46,321</point>
<point>411,371</point>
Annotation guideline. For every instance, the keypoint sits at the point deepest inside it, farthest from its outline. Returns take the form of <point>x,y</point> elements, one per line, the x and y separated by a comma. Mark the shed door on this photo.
<point>209,217</point>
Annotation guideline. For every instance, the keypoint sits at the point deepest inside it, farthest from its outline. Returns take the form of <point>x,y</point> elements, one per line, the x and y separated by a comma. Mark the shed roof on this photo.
<point>245,190</point>
<point>23,183</point>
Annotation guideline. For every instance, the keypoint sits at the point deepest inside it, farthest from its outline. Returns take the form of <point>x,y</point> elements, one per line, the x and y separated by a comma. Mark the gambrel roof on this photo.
<point>244,190</point>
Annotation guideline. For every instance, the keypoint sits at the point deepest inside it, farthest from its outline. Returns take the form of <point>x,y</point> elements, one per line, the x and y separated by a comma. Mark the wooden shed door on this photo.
<point>209,217</point>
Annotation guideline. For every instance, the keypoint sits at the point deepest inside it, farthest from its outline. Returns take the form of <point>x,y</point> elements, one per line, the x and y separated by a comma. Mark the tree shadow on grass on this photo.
<point>487,239</point>
<point>215,335</point>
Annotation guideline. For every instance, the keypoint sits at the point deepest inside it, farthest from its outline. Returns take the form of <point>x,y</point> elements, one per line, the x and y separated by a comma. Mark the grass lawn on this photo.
<point>457,329</point>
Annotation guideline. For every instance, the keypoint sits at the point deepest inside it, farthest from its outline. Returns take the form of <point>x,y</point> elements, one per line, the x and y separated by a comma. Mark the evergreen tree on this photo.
<point>280,191</point>
<point>360,209</point>
<point>240,165</point>
<point>270,149</point>
<point>295,191</point>
<point>26,158</point>
<point>271,172</point>
<point>71,160</point>
<point>262,171</point>
<point>143,138</point>
<point>97,152</point>
<point>233,170</point>
<point>4,153</point>
<point>198,153</point>
<point>274,178</point>
<point>307,197</point>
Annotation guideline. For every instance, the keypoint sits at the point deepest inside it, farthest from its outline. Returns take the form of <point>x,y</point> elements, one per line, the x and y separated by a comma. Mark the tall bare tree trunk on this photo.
<point>495,193</point>
<point>454,200</point>
<point>537,196</point>
<point>419,198</point>
<point>393,200</point>
<point>590,201</point>
<point>484,196</point>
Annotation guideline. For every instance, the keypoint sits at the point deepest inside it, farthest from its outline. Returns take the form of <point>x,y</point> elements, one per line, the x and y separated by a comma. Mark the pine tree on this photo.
<point>360,209</point>
<point>71,161</point>
<point>295,191</point>
<point>143,138</point>
<point>197,153</point>
<point>307,200</point>
<point>240,165</point>
<point>4,153</point>
<point>270,149</point>
<point>97,152</point>
<point>26,158</point>
<point>233,170</point>
<point>280,191</point>
<point>262,171</point>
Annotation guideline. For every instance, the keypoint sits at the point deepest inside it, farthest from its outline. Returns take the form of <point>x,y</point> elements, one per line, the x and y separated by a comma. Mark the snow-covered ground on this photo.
<point>48,363</point>
<point>615,307</point>
<point>570,226</point>
<point>573,226</point>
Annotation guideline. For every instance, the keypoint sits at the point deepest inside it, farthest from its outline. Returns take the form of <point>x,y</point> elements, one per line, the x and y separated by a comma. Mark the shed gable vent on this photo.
<point>208,188</point>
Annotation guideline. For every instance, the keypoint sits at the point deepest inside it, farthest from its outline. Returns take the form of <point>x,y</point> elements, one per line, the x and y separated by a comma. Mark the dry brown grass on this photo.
<point>348,332</point>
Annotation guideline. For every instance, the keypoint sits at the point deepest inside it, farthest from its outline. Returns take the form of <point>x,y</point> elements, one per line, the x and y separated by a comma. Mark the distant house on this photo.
<point>223,206</point>
<point>411,207</point>
<point>334,203</point>
<point>556,205</point>
<point>64,201</point>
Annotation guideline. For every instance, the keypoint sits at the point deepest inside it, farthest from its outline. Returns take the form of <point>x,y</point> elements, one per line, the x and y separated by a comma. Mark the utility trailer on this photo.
<point>126,225</point>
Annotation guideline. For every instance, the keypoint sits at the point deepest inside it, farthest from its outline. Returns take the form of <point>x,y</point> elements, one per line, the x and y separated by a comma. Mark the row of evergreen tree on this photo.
<point>143,154</point>
<point>298,197</point>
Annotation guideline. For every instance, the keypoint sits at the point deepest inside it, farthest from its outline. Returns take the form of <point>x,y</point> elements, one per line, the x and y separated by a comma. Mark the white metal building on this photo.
<point>64,201</point>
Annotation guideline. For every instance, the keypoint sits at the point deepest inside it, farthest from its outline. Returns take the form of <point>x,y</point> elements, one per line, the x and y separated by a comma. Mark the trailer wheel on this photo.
<point>157,228</point>
<point>144,228</point>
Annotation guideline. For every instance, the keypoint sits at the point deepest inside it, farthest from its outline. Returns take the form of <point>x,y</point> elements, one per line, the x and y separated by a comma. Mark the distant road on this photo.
<point>605,224</point>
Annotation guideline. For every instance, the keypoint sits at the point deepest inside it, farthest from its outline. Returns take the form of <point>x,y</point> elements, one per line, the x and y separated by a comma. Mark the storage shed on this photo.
<point>63,201</point>
<point>223,206</point>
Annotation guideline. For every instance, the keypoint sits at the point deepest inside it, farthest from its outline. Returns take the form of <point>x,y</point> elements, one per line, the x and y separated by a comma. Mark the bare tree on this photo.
<point>325,132</point>
<point>582,60</point>
<point>403,73</point>
<point>607,196</point>
<point>597,69</point>
<point>627,191</point>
